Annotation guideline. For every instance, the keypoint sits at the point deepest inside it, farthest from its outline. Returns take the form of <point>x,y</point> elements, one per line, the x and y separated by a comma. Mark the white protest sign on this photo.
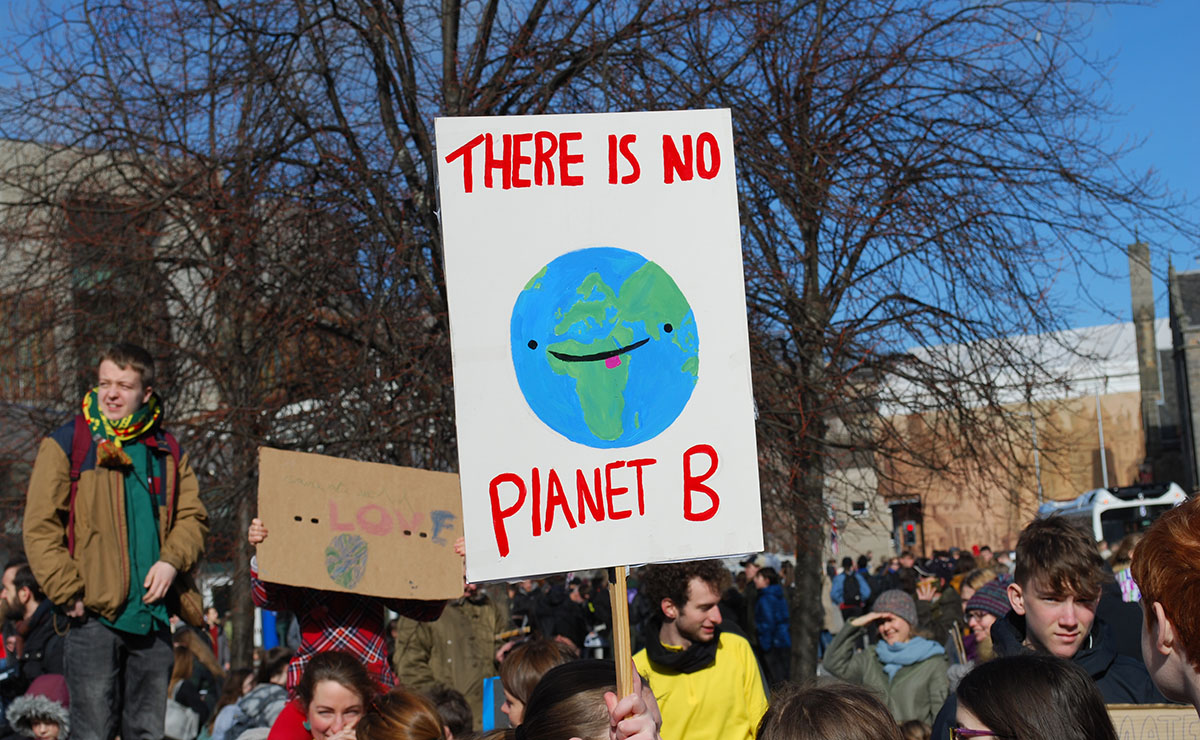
<point>598,326</point>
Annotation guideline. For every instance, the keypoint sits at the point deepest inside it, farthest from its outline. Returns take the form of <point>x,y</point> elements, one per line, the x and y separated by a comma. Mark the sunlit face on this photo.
<point>12,606</point>
<point>1055,622</point>
<point>44,729</point>
<point>121,390</point>
<point>980,623</point>
<point>893,629</point>
<point>514,708</point>
<point>700,616</point>
<point>333,708</point>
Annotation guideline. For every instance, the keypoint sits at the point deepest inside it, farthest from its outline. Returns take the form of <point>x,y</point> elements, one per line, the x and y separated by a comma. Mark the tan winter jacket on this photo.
<point>457,651</point>
<point>99,570</point>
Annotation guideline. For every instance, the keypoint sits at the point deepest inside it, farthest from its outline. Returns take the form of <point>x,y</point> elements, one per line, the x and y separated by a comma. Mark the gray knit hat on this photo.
<point>899,603</point>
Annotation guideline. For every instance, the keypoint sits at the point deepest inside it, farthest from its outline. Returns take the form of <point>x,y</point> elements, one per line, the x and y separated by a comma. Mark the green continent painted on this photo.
<point>648,296</point>
<point>600,390</point>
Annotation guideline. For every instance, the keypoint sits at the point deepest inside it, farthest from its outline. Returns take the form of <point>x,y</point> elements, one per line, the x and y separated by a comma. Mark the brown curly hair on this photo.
<point>671,580</point>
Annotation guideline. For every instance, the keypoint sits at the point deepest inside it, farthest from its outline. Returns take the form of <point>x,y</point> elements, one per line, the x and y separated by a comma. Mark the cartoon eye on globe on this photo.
<point>605,347</point>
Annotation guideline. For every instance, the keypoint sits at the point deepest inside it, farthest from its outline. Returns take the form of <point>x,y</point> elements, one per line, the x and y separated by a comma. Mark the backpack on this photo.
<point>182,598</point>
<point>851,592</point>
<point>81,442</point>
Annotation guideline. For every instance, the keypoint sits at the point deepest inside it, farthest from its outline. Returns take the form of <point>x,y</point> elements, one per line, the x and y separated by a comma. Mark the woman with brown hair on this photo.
<point>578,700</point>
<point>333,695</point>
<point>523,667</point>
<point>186,697</point>
<point>835,711</point>
<point>1032,697</point>
<point>205,674</point>
<point>401,715</point>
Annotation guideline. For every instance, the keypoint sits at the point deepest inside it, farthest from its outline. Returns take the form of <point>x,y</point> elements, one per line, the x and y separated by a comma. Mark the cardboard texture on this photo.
<point>1154,721</point>
<point>365,528</point>
<point>598,326</point>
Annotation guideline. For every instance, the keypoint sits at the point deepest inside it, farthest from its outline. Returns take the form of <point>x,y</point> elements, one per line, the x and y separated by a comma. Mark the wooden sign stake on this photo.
<point>618,594</point>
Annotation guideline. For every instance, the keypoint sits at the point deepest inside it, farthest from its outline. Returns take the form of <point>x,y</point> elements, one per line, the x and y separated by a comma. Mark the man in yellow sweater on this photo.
<point>707,681</point>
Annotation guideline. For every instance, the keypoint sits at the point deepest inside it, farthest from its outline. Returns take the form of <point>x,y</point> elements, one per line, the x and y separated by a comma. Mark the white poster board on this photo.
<point>598,325</point>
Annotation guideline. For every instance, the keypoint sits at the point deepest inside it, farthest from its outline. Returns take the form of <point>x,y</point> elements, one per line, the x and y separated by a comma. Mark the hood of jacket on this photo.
<point>1096,655</point>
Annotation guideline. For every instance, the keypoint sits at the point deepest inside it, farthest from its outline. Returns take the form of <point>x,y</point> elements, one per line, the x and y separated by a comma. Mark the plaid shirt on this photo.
<point>333,620</point>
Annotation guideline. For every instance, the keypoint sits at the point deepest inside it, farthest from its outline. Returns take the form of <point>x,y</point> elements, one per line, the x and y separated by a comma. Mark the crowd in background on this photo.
<point>917,635</point>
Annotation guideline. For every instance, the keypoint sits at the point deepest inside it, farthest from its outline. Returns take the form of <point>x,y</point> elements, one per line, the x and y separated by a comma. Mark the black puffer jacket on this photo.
<point>1120,678</point>
<point>45,635</point>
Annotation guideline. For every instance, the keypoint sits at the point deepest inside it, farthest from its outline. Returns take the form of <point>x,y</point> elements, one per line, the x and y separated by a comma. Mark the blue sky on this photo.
<point>1154,82</point>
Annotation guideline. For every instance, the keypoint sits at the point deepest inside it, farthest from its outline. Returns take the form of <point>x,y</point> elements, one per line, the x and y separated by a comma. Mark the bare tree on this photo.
<point>911,175</point>
<point>273,163</point>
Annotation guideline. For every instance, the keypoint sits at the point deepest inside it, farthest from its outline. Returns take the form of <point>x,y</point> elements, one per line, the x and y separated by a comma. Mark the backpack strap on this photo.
<point>81,442</point>
<point>173,448</point>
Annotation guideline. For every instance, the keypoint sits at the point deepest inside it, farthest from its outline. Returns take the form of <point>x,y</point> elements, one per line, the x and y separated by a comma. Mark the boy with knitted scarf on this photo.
<point>107,547</point>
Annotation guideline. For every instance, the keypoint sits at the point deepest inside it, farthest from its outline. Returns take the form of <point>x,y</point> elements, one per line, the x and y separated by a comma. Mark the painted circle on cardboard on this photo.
<point>346,560</point>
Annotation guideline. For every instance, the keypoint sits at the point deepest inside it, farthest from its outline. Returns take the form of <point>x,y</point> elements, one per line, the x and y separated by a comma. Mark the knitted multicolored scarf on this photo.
<point>111,434</point>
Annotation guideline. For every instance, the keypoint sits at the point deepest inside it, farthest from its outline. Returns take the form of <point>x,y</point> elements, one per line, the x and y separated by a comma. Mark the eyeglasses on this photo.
<point>958,733</point>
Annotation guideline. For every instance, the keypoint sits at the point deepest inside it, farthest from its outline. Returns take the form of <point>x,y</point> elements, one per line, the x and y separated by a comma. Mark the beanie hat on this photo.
<point>899,603</point>
<point>992,597</point>
<point>46,698</point>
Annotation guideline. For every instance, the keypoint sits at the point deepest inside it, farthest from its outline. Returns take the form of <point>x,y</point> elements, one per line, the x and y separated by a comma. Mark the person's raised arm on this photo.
<point>266,595</point>
<point>839,656</point>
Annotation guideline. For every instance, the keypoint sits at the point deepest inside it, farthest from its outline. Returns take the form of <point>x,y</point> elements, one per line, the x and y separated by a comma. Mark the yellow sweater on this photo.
<point>723,701</point>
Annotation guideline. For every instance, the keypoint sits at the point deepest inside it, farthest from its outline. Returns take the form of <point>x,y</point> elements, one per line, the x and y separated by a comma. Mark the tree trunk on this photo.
<point>808,617</point>
<point>241,649</point>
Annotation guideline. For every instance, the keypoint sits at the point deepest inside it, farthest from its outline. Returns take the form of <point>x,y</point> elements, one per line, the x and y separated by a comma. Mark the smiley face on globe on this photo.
<point>605,347</point>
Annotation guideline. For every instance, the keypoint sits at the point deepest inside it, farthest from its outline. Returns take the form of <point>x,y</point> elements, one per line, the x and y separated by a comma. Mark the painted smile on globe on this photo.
<point>605,347</point>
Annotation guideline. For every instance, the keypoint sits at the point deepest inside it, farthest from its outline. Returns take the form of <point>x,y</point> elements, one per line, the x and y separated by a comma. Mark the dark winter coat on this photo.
<point>1120,678</point>
<point>771,618</point>
<point>45,634</point>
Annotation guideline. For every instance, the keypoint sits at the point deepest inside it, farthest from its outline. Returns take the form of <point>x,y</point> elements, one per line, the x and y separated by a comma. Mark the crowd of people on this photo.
<point>104,634</point>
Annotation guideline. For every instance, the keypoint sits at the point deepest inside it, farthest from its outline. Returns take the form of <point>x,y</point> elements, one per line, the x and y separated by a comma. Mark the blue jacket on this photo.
<point>771,618</point>
<point>839,581</point>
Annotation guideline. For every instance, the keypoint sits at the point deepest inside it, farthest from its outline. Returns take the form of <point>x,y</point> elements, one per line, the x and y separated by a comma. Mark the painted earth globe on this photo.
<point>605,347</point>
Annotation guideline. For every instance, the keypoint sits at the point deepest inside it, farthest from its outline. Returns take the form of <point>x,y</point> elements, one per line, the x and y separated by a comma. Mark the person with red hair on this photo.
<point>1166,567</point>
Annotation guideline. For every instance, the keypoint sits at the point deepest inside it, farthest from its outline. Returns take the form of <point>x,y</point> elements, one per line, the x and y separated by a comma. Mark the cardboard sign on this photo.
<point>366,528</point>
<point>1157,721</point>
<point>598,325</point>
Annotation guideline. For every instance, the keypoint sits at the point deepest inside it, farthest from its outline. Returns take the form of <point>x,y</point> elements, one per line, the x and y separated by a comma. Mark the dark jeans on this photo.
<point>115,677</point>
